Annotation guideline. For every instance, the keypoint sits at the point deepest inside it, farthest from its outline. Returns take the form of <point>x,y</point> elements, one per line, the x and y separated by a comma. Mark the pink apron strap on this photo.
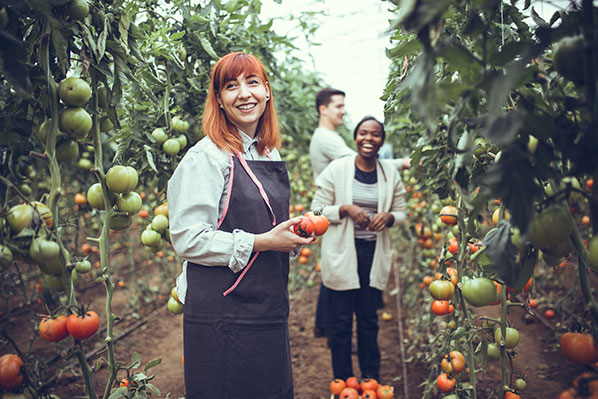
<point>258,184</point>
<point>232,287</point>
<point>230,189</point>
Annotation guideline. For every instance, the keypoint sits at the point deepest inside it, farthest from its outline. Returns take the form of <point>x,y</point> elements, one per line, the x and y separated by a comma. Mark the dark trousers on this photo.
<point>362,302</point>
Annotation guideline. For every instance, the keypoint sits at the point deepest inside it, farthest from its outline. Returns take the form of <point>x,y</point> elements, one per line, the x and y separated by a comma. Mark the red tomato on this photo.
<point>511,395</point>
<point>385,392</point>
<point>454,362</point>
<point>349,393</point>
<point>305,227</point>
<point>368,384</point>
<point>549,313</point>
<point>54,329</point>
<point>352,382</point>
<point>336,386</point>
<point>10,371</point>
<point>579,348</point>
<point>369,394</point>
<point>444,383</point>
<point>321,224</point>
<point>83,326</point>
<point>453,246</point>
<point>439,308</point>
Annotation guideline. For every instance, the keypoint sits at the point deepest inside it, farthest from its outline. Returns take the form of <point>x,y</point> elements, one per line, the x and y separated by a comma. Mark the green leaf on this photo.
<point>12,61</point>
<point>135,361</point>
<point>407,47</point>
<point>502,130</point>
<point>150,158</point>
<point>152,363</point>
<point>502,254</point>
<point>207,46</point>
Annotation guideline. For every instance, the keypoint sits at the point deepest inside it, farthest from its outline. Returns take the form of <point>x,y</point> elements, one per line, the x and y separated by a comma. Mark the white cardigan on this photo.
<point>339,257</point>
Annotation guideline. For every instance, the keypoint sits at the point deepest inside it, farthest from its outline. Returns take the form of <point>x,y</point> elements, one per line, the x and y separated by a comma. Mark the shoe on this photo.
<point>319,332</point>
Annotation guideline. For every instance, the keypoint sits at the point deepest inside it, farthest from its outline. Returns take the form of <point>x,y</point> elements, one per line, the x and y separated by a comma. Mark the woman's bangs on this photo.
<point>240,64</point>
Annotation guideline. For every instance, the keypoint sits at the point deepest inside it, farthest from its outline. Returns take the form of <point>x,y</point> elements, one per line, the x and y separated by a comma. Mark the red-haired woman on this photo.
<point>228,203</point>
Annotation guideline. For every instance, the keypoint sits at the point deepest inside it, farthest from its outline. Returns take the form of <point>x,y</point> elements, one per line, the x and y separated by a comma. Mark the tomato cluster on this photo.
<point>78,326</point>
<point>368,388</point>
<point>311,224</point>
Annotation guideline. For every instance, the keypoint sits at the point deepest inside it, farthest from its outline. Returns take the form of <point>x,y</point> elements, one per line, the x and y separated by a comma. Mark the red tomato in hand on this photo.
<point>305,227</point>
<point>54,329</point>
<point>321,224</point>
<point>83,326</point>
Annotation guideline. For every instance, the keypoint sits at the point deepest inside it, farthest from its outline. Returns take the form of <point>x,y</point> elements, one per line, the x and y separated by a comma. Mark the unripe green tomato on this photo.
<point>78,9</point>
<point>179,125</point>
<point>129,202</point>
<point>74,91</point>
<point>84,164</point>
<point>5,256</point>
<point>479,291</point>
<point>550,227</point>
<point>182,140</point>
<point>42,250</point>
<point>121,179</point>
<point>520,384</point>
<point>441,289</point>
<point>67,150</point>
<point>55,283</point>
<point>19,217</point>
<point>83,266</point>
<point>95,197</point>
<point>120,222</point>
<point>157,247</point>
<point>567,55</point>
<point>160,223</point>
<point>512,337</point>
<point>103,97</point>
<point>75,122</point>
<point>43,130</point>
<point>493,351</point>
<point>159,135</point>
<point>150,237</point>
<point>26,189</point>
<point>174,306</point>
<point>171,147</point>
<point>53,267</point>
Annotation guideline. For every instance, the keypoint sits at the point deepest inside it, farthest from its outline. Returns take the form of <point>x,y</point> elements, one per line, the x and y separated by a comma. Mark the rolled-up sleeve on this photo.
<point>194,197</point>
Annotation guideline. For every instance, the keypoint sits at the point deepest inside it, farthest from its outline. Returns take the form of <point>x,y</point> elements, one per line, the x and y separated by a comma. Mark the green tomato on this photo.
<point>441,289</point>
<point>520,384</point>
<point>179,125</point>
<point>512,337</point>
<point>566,57</point>
<point>67,150</point>
<point>157,247</point>
<point>182,140</point>
<point>42,250</point>
<point>550,227</point>
<point>479,291</point>
<point>159,135</point>
<point>83,266</point>
<point>103,97</point>
<point>493,351</point>
<point>171,146</point>
<point>75,122</point>
<point>74,91</point>
<point>150,237</point>
<point>120,222</point>
<point>95,198</point>
<point>121,179</point>
<point>129,202</point>
<point>78,9</point>
<point>43,130</point>
<point>175,306</point>
<point>55,283</point>
<point>19,217</point>
<point>53,267</point>
<point>106,124</point>
<point>5,256</point>
<point>84,164</point>
<point>160,223</point>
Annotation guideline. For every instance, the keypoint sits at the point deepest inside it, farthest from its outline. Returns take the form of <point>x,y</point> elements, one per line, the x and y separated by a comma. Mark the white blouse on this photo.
<point>196,197</point>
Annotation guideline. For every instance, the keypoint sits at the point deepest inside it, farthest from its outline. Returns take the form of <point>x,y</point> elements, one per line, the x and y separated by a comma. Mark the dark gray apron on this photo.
<point>237,346</point>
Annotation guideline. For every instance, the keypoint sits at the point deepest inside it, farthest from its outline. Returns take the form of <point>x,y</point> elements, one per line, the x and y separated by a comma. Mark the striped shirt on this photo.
<point>365,195</point>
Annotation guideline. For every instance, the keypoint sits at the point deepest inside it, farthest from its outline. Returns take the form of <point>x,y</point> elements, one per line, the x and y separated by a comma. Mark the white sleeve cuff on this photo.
<point>242,248</point>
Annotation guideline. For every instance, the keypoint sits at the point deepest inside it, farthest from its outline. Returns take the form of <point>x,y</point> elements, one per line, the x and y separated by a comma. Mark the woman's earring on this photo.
<point>267,97</point>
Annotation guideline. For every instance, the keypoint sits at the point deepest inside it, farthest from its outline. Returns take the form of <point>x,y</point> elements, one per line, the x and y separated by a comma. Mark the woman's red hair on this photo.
<point>215,123</point>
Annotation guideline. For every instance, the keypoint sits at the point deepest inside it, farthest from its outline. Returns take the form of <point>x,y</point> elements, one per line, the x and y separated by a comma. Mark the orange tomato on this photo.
<point>302,259</point>
<point>299,208</point>
<point>336,386</point>
<point>305,252</point>
<point>80,199</point>
<point>439,308</point>
<point>448,215</point>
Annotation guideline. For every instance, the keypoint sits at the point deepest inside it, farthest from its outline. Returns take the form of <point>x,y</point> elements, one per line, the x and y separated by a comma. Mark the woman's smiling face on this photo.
<point>368,139</point>
<point>244,100</point>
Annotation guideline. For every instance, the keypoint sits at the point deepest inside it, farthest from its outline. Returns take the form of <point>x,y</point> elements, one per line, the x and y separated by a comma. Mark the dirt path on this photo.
<point>539,361</point>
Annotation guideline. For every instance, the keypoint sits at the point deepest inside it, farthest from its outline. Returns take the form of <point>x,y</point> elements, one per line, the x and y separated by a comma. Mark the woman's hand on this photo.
<point>356,213</point>
<point>281,238</point>
<point>380,221</point>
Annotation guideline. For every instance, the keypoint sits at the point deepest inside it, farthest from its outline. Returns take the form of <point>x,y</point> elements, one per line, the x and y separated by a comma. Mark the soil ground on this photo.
<point>540,362</point>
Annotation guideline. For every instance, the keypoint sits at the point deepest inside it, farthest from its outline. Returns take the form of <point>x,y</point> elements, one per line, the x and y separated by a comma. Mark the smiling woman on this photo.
<point>230,219</point>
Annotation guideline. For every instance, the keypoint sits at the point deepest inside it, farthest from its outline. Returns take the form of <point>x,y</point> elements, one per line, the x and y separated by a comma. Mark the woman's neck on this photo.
<point>365,164</point>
